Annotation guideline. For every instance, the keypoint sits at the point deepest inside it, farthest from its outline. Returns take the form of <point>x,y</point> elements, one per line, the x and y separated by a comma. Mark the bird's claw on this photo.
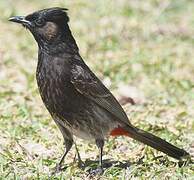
<point>81,164</point>
<point>98,171</point>
<point>57,169</point>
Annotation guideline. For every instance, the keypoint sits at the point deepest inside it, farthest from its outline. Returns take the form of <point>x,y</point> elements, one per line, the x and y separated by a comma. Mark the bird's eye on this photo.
<point>40,22</point>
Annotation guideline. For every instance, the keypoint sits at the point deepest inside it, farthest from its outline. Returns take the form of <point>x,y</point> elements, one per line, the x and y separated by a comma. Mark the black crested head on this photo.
<point>49,27</point>
<point>55,14</point>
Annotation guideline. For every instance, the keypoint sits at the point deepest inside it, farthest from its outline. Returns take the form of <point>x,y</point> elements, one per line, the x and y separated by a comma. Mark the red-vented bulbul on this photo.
<point>77,100</point>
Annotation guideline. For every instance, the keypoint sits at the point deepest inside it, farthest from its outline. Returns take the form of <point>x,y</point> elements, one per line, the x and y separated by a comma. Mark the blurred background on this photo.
<point>139,49</point>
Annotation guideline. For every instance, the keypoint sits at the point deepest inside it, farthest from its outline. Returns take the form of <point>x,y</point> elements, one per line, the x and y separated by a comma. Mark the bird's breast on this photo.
<point>56,90</point>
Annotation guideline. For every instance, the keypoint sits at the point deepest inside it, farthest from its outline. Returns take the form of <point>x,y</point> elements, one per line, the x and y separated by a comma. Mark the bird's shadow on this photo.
<point>107,163</point>
<point>89,164</point>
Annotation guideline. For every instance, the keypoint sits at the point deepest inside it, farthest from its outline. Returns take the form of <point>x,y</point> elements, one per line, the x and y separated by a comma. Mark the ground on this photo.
<point>142,49</point>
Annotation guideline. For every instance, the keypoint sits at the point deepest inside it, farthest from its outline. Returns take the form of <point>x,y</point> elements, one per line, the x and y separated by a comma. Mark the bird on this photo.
<point>75,97</point>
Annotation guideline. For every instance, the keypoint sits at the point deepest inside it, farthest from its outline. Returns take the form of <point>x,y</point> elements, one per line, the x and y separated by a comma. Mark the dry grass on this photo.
<point>145,44</point>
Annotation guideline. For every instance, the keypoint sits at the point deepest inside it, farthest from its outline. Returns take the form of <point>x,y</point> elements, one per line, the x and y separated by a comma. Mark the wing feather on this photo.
<point>86,83</point>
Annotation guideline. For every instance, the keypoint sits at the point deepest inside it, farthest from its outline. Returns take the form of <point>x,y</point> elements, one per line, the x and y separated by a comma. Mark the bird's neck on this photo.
<point>64,43</point>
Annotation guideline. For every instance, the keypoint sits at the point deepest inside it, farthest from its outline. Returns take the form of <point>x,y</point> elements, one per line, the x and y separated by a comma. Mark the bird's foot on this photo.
<point>57,169</point>
<point>98,171</point>
<point>81,164</point>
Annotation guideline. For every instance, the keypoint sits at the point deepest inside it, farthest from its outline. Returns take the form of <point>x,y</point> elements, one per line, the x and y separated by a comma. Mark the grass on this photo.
<point>145,44</point>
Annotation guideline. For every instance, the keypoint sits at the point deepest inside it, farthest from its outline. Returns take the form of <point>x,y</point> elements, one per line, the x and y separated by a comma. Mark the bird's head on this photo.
<point>46,25</point>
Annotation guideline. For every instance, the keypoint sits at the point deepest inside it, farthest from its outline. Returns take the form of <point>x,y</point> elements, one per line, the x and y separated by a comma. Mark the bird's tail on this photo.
<point>156,142</point>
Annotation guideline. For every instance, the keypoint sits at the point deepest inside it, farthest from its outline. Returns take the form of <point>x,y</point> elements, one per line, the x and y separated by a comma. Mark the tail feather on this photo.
<point>156,142</point>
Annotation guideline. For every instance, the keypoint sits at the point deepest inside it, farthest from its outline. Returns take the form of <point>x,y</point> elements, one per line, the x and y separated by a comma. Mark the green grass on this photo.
<point>145,44</point>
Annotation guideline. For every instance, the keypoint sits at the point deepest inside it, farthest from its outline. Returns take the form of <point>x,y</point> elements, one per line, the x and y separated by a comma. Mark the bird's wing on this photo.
<point>86,83</point>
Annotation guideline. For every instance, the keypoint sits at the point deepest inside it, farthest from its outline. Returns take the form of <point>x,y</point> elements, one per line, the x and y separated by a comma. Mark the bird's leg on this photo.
<point>80,162</point>
<point>68,144</point>
<point>100,145</point>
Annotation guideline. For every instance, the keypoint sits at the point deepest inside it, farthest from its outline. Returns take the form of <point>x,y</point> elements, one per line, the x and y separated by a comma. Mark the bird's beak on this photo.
<point>20,20</point>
